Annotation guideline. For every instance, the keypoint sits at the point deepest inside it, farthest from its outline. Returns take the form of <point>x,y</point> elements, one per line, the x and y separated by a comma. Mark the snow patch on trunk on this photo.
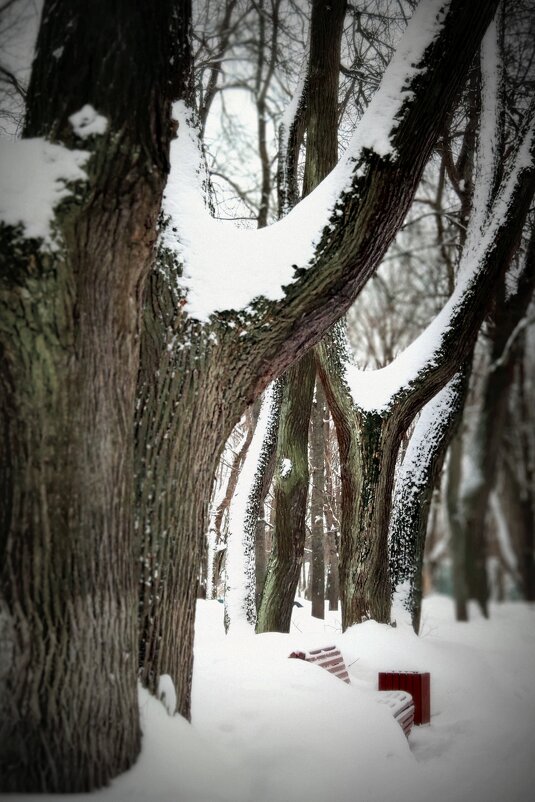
<point>167,693</point>
<point>35,177</point>
<point>286,468</point>
<point>88,122</point>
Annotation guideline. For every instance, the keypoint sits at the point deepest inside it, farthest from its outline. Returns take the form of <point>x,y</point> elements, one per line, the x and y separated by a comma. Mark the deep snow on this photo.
<point>269,729</point>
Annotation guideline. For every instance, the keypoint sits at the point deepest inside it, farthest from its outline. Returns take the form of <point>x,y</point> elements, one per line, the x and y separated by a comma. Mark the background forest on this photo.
<point>272,339</point>
<point>463,508</point>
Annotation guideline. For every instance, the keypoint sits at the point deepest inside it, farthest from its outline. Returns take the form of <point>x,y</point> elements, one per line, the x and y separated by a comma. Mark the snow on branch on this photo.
<point>377,390</point>
<point>487,156</point>
<point>413,480</point>
<point>226,268</point>
<point>291,132</point>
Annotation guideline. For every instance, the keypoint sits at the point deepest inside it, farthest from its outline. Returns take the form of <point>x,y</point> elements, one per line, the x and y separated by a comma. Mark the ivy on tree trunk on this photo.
<point>69,348</point>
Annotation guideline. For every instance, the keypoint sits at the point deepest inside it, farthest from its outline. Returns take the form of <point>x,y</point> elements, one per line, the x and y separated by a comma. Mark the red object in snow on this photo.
<point>328,657</point>
<point>414,682</point>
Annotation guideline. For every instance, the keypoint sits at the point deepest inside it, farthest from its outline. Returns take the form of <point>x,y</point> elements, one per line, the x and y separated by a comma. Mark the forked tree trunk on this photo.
<point>368,443</point>
<point>369,438</point>
<point>415,483</point>
<point>367,481</point>
<point>69,345</point>
<point>219,367</point>
<point>290,494</point>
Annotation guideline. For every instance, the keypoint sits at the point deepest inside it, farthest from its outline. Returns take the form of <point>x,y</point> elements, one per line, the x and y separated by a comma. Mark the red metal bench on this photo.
<point>400,703</point>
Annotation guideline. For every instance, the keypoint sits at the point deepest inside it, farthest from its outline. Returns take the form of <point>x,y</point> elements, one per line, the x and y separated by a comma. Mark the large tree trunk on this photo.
<point>69,346</point>
<point>290,496</point>
<point>266,471</point>
<point>415,482</point>
<point>183,421</point>
<point>368,448</point>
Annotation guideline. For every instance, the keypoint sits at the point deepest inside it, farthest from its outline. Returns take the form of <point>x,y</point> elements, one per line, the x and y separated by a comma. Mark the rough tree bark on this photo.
<point>290,492</point>
<point>69,349</point>
<point>367,468</point>
<point>414,485</point>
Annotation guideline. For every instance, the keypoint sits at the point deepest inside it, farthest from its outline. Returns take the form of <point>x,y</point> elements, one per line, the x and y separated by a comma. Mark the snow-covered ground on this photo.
<point>269,729</point>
